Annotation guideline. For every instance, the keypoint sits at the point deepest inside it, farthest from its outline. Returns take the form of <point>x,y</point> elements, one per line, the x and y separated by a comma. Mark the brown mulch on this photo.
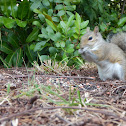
<point>105,103</point>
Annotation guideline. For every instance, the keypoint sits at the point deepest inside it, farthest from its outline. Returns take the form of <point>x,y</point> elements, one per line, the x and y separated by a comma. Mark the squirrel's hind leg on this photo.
<point>111,71</point>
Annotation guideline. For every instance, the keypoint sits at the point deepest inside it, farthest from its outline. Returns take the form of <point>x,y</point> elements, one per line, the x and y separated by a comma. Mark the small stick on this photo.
<point>64,120</point>
<point>55,76</point>
<point>80,77</point>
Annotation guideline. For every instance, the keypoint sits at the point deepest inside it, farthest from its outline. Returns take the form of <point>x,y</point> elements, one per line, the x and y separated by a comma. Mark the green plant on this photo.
<point>53,94</point>
<point>109,15</point>
<point>49,28</point>
<point>15,21</point>
<point>61,33</point>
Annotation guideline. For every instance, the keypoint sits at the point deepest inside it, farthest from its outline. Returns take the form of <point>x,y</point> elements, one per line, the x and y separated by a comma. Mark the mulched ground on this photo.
<point>20,105</point>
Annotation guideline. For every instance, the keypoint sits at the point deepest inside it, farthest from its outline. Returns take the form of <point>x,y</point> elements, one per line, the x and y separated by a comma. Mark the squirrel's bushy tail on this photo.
<point>119,39</point>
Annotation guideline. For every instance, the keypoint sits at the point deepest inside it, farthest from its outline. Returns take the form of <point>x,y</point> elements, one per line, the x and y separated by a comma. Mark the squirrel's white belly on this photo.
<point>108,70</point>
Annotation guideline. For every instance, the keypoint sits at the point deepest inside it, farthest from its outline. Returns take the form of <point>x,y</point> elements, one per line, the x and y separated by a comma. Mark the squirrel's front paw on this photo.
<point>80,51</point>
<point>83,50</point>
<point>86,49</point>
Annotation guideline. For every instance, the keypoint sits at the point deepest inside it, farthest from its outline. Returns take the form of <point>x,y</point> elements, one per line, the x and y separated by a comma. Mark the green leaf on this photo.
<point>5,64</point>
<point>70,20</point>
<point>76,53</point>
<point>78,20</point>
<point>65,58</point>
<point>75,36</point>
<point>44,57</point>
<point>58,1</point>
<point>39,46</point>
<point>41,17</point>
<point>79,96</point>
<point>50,12</point>
<point>1,20</point>
<point>122,21</point>
<point>61,13</point>
<point>67,2</point>
<point>71,32</point>
<point>75,2</point>
<point>13,8</point>
<point>21,23</point>
<point>63,25</point>
<point>77,30</point>
<point>56,37</point>
<point>35,5</point>
<point>83,31</point>
<point>69,13</point>
<point>43,36</point>
<point>57,44</point>
<point>5,49</point>
<point>32,46</point>
<point>62,44</point>
<point>124,28</point>
<point>8,22</point>
<point>59,7</point>
<point>49,18</point>
<point>29,53</point>
<point>37,23</point>
<point>4,7</point>
<point>52,50</point>
<point>70,48</point>
<point>50,31</point>
<point>9,59</point>
<point>33,35</point>
<point>37,11</point>
<point>44,33</point>
<point>70,8</point>
<point>23,9</point>
<point>84,24</point>
<point>103,27</point>
<point>12,38</point>
<point>46,3</point>
<point>15,58</point>
<point>55,19</point>
<point>51,24</point>
<point>17,61</point>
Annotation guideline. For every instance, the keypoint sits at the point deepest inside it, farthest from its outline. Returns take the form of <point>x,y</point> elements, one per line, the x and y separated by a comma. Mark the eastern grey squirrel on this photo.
<point>110,58</point>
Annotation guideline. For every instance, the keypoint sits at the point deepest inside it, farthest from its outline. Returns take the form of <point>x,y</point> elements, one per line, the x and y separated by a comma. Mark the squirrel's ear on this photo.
<point>96,29</point>
<point>88,29</point>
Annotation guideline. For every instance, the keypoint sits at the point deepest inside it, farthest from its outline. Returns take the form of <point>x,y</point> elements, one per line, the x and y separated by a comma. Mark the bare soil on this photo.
<point>103,103</point>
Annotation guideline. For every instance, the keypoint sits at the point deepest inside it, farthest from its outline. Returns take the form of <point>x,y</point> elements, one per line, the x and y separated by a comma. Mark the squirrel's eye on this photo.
<point>90,38</point>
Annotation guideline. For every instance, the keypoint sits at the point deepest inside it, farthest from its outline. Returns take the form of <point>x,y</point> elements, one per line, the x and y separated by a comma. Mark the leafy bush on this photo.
<point>50,28</point>
<point>60,34</point>
<point>108,14</point>
<point>15,23</point>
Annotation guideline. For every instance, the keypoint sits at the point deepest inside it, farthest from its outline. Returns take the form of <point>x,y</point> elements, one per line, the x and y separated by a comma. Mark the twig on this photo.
<point>108,113</point>
<point>54,76</point>
<point>64,120</point>
<point>80,77</point>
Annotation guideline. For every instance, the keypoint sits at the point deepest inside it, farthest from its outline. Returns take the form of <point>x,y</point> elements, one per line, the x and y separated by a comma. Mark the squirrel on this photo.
<point>110,58</point>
